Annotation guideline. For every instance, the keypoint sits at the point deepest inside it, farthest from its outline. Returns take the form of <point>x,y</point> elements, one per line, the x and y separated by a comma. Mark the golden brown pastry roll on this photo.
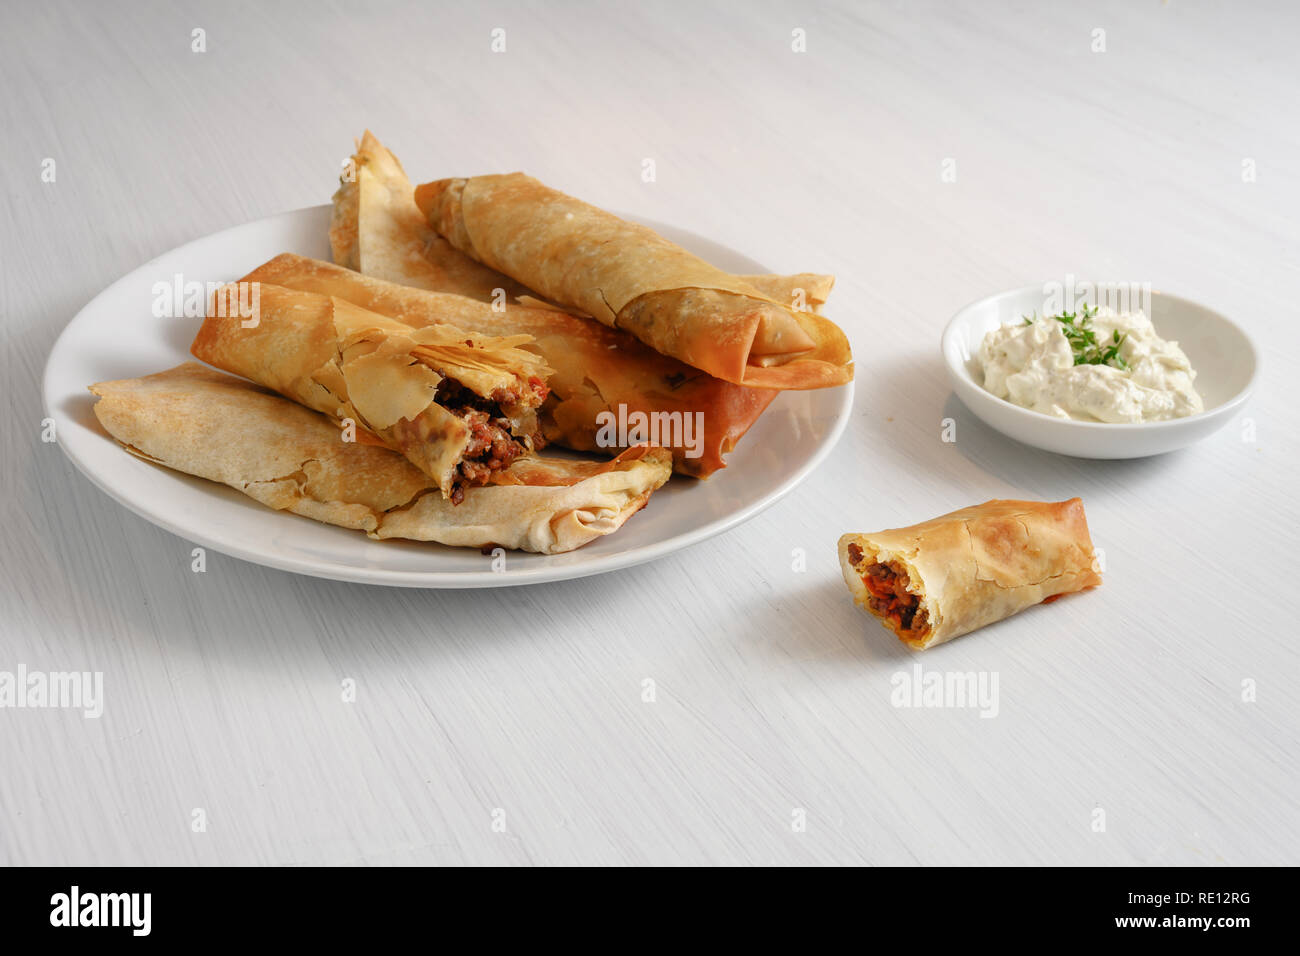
<point>595,369</point>
<point>937,580</point>
<point>627,276</point>
<point>377,229</point>
<point>458,404</point>
<point>205,423</point>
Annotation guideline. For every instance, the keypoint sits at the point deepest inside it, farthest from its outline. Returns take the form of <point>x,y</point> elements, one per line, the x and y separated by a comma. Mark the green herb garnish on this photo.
<point>1082,337</point>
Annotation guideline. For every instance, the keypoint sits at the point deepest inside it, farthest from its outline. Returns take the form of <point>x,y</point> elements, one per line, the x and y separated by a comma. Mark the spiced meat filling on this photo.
<point>888,594</point>
<point>491,446</point>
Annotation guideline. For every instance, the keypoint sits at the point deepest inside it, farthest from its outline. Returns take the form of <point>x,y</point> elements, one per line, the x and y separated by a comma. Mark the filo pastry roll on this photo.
<point>627,276</point>
<point>937,580</point>
<point>596,371</point>
<point>206,423</point>
<point>377,229</point>
<point>458,404</point>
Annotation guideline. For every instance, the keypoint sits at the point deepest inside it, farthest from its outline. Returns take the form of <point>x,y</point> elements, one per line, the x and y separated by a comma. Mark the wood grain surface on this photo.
<point>514,727</point>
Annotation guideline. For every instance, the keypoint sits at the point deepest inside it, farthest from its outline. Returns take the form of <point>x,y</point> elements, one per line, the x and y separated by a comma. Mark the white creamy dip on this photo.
<point>1032,365</point>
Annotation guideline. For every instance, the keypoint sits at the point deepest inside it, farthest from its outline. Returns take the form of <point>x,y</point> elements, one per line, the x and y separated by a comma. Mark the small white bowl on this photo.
<point>1225,360</point>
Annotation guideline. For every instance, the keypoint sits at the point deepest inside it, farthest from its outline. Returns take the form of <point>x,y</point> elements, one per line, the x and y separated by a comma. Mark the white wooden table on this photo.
<point>511,727</point>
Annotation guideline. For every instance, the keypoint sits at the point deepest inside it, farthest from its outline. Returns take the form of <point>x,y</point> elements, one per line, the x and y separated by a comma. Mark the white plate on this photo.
<point>116,336</point>
<point>1225,360</point>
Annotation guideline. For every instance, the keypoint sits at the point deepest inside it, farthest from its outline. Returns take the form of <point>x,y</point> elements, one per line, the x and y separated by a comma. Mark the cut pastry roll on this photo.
<point>937,580</point>
<point>459,405</point>
<point>596,370</point>
<point>206,423</point>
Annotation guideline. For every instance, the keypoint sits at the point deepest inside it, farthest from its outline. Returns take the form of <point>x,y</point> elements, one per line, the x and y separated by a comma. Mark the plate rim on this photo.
<point>431,580</point>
